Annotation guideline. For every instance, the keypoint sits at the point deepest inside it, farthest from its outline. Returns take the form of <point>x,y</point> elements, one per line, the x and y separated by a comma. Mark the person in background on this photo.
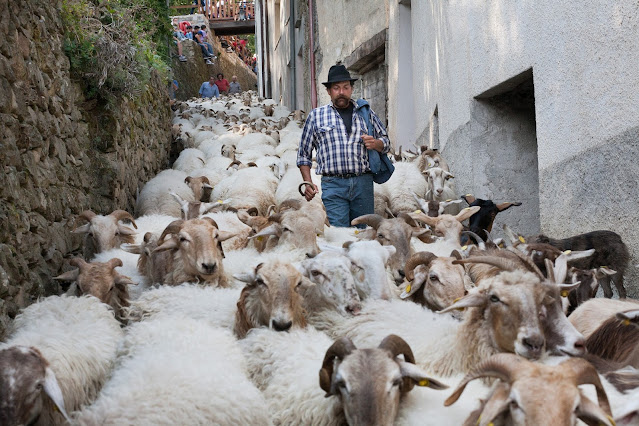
<point>234,86</point>
<point>177,39</point>
<point>340,136</point>
<point>173,88</point>
<point>222,83</point>
<point>207,49</point>
<point>209,89</point>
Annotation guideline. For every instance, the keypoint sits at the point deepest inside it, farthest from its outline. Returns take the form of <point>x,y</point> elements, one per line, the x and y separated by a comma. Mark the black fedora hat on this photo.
<point>338,73</point>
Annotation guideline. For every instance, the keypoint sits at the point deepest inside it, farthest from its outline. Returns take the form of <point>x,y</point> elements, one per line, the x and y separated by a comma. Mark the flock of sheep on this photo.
<point>227,299</point>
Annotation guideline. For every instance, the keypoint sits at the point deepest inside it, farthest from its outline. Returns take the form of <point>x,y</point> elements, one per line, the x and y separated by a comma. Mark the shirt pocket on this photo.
<point>325,133</point>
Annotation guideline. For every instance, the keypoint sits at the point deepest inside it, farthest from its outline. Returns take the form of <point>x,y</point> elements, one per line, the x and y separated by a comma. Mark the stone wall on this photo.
<point>60,153</point>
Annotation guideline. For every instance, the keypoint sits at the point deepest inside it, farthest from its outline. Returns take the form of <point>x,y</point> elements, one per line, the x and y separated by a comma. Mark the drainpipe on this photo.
<point>312,55</point>
<point>291,31</point>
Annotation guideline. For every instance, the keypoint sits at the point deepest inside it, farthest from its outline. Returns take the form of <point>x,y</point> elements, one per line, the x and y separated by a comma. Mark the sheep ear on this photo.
<point>125,230</point>
<point>469,198</point>
<point>497,404</point>
<point>245,277</point>
<point>590,413</point>
<point>225,235</point>
<point>52,389</point>
<point>604,272</point>
<point>471,300</point>
<point>169,244</point>
<point>82,229</point>
<point>71,275</point>
<point>420,378</point>
<point>412,287</point>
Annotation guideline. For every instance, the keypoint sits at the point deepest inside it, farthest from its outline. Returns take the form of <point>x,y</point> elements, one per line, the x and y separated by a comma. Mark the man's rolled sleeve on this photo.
<point>380,131</point>
<point>305,151</point>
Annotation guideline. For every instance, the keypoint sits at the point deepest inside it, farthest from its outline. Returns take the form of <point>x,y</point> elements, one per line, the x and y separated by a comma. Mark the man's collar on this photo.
<point>352,102</point>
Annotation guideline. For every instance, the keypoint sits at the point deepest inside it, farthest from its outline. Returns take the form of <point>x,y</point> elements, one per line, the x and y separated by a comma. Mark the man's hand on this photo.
<point>310,192</point>
<point>372,143</point>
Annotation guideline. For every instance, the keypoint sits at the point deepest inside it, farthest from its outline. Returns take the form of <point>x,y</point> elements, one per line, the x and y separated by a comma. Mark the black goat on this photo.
<point>482,221</point>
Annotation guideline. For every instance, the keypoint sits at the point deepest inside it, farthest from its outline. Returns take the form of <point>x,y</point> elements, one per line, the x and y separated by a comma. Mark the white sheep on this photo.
<point>249,187</point>
<point>155,197</point>
<point>75,341</point>
<point>175,370</point>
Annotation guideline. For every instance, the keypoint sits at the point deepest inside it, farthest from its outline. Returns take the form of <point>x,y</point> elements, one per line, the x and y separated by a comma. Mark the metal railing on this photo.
<point>223,10</point>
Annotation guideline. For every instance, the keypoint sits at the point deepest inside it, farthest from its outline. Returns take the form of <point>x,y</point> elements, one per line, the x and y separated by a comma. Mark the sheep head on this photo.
<point>292,229</point>
<point>271,298</point>
<point>531,393</point>
<point>430,158</point>
<point>27,384</point>
<point>101,280</point>
<point>370,382</point>
<point>483,220</point>
<point>105,232</point>
<point>434,282</point>
<point>201,187</point>
<point>446,225</point>
<point>396,232</point>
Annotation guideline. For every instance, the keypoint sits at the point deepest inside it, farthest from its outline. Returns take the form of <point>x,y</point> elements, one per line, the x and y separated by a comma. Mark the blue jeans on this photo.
<point>347,199</point>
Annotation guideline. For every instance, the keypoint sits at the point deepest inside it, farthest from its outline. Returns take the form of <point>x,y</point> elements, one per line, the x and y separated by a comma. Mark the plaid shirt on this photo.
<point>337,152</point>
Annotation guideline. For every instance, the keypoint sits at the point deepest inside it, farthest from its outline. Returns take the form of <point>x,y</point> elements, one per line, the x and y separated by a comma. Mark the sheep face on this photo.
<point>446,225</point>
<point>370,259</point>
<point>105,232</point>
<point>531,394</point>
<point>271,298</point>
<point>437,179</point>
<point>431,158</point>
<point>102,281</point>
<point>292,230</point>
<point>370,382</point>
<point>332,274</point>
<point>562,338</point>
<point>436,283</point>
<point>201,187</point>
<point>25,379</point>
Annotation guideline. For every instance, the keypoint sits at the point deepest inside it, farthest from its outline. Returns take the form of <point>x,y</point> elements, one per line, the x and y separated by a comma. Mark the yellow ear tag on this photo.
<point>568,252</point>
<point>356,231</point>
<point>449,200</point>
<point>464,247</point>
<point>626,322</point>
<point>407,289</point>
<point>522,240</point>
<point>612,421</point>
<point>260,238</point>
<point>564,293</point>
<point>467,208</point>
<point>423,382</point>
<point>604,267</point>
<point>220,201</point>
<point>469,195</point>
<point>417,211</point>
<point>457,300</point>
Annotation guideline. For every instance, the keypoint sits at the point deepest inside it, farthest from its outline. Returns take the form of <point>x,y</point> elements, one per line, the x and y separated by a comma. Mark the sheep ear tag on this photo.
<point>409,290</point>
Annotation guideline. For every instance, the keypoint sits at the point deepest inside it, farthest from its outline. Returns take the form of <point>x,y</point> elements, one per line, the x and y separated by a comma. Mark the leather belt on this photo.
<point>346,175</point>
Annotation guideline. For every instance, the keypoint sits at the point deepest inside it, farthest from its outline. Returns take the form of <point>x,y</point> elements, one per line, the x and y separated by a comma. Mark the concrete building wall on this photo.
<point>583,58</point>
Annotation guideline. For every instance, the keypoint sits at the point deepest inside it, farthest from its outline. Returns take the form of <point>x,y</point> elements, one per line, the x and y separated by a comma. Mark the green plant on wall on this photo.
<point>113,45</point>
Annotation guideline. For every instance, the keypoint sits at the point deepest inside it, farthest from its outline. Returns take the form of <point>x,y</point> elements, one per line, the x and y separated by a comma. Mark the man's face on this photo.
<point>234,79</point>
<point>340,93</point>
<point>211,81</point>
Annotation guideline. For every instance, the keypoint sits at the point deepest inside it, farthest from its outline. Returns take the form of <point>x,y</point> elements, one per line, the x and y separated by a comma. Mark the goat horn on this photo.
<point>115,262</point>
<point>586,374</point>
<point>277,217</point>
<point>501,366</point>
<point>480,242</point>
<point>500,262</point>
<point>87,215</point>
<point>398,346</point>
<point>211,221</point>
<point>406,218</point>
<point>372,220</point>
<point>78,262</point>
<point>528,262</point>
<point>291,204</point>
<point>421,258</point>
<point>124,215</point>
<point>340,349</point>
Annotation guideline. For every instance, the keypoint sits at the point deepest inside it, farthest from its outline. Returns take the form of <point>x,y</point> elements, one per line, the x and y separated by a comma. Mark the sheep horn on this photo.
<point>299,188</point>
<point>211,221</point>
<point>291,204</point>
<point>277,217</point>
<point>500,262</point>
<point>124,215</point>
<point>501,366</point>
<point>421,258</point>
<point>87,215</point>
<point>398,346</point>
<point>480,242</point>
<point>406,218</point>
<point>115,262</point>
<point>372,220</point>
<point>340,349</point>
<point>172,228</point>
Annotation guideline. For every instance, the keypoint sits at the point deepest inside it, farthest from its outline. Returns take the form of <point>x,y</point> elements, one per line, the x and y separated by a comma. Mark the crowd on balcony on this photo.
<point>238,45</point>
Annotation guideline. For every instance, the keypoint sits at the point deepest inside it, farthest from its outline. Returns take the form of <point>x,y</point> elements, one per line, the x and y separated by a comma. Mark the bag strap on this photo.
<point>364,109</point>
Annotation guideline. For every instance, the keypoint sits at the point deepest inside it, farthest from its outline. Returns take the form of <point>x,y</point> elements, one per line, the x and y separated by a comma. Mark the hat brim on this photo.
<point>327,84</point>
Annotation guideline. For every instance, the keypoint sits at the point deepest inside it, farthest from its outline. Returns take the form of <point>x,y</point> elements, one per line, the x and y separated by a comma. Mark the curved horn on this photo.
<point>78,262</point>
<point>211,221</point>
<point>421,258</point>
<point>372,220</point>
<point>528,262</point>
<point>500,262</point>
<point>87,215</point>
<point>277,217</point>
<point>291,204</point>
<point>299,188</point>
<point>480,242</point>
<point>398,346</point>
<point>115,262</point>
<point>124,215</point>
<point>340,349</point>
<point>172,228</point>
<point>586,374</point>
<point>406,218</point>
<point>501,366</point>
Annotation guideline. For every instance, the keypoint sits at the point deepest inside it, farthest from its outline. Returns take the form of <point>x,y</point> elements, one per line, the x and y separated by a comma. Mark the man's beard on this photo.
<point>341,102</point>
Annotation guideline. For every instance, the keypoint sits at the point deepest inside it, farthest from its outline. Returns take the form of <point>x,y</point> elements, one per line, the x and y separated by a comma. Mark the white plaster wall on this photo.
<point>585,57</point>
<point>342,27</point>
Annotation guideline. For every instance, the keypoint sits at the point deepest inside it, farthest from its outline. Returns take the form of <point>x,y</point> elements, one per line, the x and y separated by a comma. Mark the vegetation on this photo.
<point>113,45</point>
